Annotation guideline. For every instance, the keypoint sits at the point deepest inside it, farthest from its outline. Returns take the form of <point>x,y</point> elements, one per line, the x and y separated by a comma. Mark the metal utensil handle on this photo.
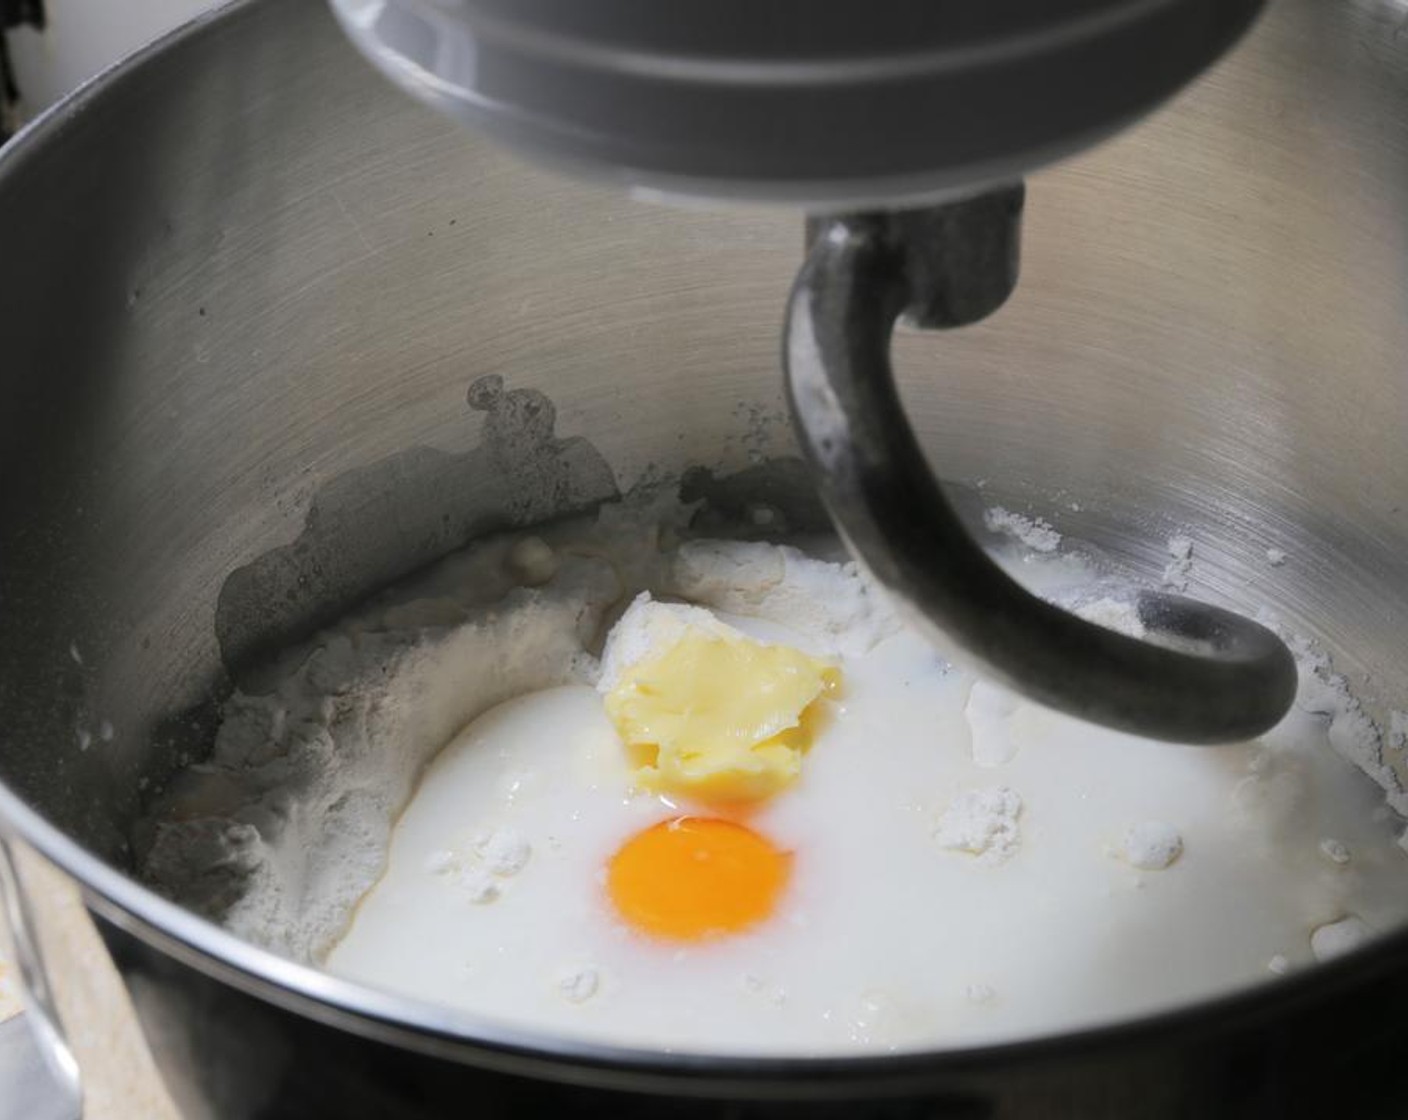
<point>41,1008</point>
<point>1229,680</point>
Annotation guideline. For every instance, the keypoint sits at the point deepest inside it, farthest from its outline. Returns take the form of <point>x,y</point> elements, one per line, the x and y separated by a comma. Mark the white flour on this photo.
<point>578,985</point>
<point>280,832</point>
<point>983,823</point>
<point>1152,845</point>
<point>832,604</point>
<point>286,826</point>
<point>1033,532</point>
<point>1352,733</point>
<point>1180,550</point>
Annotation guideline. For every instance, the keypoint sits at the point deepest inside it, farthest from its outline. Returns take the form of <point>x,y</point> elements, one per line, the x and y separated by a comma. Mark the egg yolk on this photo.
<point>696,877</point>
<point>720,718</point>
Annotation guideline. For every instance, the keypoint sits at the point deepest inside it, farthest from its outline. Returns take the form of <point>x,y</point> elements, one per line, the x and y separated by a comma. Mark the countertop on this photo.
<point>119,1076</point>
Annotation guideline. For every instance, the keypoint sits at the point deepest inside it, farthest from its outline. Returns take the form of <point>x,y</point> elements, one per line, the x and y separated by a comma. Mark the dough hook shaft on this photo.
<point>1229,678</point>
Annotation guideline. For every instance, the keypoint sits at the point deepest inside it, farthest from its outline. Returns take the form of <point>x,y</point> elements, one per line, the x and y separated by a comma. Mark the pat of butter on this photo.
<point>706,711</point>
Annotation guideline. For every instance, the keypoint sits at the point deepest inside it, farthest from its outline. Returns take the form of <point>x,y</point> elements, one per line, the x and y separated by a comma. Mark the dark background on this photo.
<point>13,13</point>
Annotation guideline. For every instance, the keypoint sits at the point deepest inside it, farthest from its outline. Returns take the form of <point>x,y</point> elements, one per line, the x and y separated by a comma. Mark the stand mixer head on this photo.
<point>903,127</point>
<point>818,104</point>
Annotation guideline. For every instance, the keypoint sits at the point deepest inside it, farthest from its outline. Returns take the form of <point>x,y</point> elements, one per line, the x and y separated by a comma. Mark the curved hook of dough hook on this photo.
<point>1207,676</point>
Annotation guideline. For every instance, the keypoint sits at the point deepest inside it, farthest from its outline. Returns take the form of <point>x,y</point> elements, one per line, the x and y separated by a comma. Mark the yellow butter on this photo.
<point>719,717</point>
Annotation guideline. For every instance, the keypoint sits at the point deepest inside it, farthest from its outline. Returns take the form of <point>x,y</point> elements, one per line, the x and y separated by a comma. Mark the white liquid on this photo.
<point>885,939</point>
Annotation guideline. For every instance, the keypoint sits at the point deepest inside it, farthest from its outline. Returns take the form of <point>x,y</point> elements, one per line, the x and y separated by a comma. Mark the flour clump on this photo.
<point>983,823</point>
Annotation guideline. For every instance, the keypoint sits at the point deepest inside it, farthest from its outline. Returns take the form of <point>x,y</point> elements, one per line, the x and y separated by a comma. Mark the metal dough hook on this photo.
<point>1229,679</point>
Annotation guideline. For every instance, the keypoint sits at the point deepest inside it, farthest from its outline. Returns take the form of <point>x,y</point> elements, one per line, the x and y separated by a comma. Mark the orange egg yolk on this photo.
<point>696,877</point>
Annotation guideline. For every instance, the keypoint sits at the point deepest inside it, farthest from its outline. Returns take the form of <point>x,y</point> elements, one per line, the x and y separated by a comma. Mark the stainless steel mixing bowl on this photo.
<point>271,336</point>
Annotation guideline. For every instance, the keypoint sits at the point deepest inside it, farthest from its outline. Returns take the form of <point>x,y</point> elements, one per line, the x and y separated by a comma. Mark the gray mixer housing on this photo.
<point>822,105</point>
